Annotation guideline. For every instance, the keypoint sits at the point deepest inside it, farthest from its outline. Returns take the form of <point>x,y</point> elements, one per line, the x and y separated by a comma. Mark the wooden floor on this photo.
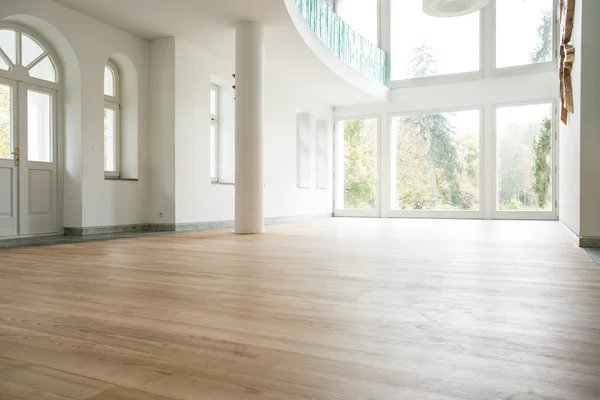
<point>336,309</point>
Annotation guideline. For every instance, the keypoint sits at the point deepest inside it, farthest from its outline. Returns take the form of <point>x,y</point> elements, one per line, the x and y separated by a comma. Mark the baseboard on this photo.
<point>184,227</point>
<point>572,235</point>
<point>116,229</point>
<point>589,242</point>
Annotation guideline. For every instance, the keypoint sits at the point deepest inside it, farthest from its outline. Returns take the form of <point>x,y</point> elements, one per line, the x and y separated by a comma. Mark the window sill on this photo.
<point>110,178</point>
<point>223,183</point>
<point>437,80</point>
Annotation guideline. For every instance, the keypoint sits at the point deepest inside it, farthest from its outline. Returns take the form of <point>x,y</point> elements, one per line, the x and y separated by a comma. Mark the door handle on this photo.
<point>17,155</point>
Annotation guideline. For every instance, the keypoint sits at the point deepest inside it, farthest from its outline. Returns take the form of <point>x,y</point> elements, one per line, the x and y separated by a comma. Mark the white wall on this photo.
<point>282,196</point>
<point>570,142</point>
<point>196,199</point>
<point>173,127</point>
<point>84,44</point>
<point>588,55</point>
<point>580,140</point>
<point>162,132</point>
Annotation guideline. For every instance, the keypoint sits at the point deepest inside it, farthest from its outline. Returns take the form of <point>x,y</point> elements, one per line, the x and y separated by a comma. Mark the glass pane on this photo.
<point>427,46</point>
<point>44,70</point>
<point>213,102</point>
<point>524,163</point>
<point>109,82</point>
<point>523,32</point>
<point>437,161</point>
<point>39,126</point>
<point>360,164</point>
<point>8,43</point>
<point>30,50</point>
<point>213,151</point>
<point>3,64</point>
<point>110,140</point>
<point>5,122</point>
<point>362,16</point>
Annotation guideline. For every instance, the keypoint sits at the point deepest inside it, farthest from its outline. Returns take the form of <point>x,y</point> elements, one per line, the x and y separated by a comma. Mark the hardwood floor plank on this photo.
<point>55,382</point>
<point>340,309</point>
<point>121,393</point>
<point>14,391</point>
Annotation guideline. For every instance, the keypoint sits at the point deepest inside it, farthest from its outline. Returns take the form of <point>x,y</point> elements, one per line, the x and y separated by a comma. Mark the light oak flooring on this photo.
<point>340,309</point>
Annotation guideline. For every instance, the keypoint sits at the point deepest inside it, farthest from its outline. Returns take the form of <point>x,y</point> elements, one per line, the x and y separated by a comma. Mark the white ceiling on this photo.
<point>210,24</point>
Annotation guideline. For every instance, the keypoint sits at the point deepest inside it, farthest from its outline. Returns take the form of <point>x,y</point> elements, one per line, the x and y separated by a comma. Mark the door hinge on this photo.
<point>556,203</point>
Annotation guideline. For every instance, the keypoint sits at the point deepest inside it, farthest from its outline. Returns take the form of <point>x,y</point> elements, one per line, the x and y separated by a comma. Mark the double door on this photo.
<point>28,160</point>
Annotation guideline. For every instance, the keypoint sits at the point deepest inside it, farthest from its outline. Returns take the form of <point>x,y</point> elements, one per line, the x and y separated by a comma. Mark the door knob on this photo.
<point>16,153</point>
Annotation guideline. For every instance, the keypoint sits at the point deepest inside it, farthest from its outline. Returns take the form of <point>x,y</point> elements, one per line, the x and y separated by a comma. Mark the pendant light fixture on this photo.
<point>452,8</point>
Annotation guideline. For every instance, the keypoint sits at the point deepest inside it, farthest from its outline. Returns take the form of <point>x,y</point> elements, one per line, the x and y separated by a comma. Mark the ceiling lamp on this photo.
<point>452,8</point>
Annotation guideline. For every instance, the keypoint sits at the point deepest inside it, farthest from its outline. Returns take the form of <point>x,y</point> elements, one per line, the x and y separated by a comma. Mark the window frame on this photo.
<point>487,52</point>
<point>21,73</point>
<point>436,79</point>
<point>338,169</point>
<point>526,215</point>
<point>114,103</point>
<point>214,122</point>
<point>525,69</point>
<point>391,212</point>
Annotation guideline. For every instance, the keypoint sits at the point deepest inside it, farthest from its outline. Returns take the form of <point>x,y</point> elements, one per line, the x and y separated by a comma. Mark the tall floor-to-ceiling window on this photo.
<point>470,129</point>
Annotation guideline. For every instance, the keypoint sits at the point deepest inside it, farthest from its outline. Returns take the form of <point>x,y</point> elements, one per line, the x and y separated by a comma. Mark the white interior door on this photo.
<point>38,179</point>
<point>8,170</point>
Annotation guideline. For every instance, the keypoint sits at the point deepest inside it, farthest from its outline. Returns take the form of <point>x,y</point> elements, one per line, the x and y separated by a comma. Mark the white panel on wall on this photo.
<point>304,150</point>
<point>6,194</point>
<point>322,155</point>
<point>40,191</point>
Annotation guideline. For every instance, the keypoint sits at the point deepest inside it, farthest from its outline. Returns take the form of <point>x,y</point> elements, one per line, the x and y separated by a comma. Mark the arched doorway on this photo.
<point>29,84</point>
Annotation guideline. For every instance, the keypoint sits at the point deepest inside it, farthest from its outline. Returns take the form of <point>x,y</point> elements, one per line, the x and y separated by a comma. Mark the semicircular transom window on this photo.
<point>18,48</point>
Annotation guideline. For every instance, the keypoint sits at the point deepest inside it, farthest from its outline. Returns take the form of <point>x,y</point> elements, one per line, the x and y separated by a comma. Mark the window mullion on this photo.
<point>36,61</point>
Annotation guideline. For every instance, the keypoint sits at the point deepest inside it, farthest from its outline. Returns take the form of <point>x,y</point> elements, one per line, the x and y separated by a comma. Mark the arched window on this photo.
<point>20,52</point>
<point>112,121</point>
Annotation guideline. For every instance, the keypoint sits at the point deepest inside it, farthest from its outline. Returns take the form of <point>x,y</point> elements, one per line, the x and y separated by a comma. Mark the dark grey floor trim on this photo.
<point>88,234</point>
<point>111,230</point>
<point>41,241</point>
<point>595,254</point>
<point>591,242</point>
<point>185,227</point>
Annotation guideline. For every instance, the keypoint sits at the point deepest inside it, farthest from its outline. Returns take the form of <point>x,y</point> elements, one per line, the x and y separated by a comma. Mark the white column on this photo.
<point>249,104</point>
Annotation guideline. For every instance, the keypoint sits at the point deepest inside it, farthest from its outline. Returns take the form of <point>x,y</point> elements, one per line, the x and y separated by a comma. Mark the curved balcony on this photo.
<point>346,52</point>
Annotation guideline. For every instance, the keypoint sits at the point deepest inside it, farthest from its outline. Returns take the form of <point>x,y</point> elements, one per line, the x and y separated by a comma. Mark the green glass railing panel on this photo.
<point>349,46</point>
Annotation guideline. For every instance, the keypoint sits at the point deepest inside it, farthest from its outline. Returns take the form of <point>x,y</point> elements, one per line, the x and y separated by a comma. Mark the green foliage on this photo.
<point>543,51</point>
<point>524,166</point>
<point>512,205</point>
<point>442,156</point>
<point>5,118</point>
<point>434,170</point>
<point>360,178</point>
<point>542,170</point>
<point>470,154</point>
